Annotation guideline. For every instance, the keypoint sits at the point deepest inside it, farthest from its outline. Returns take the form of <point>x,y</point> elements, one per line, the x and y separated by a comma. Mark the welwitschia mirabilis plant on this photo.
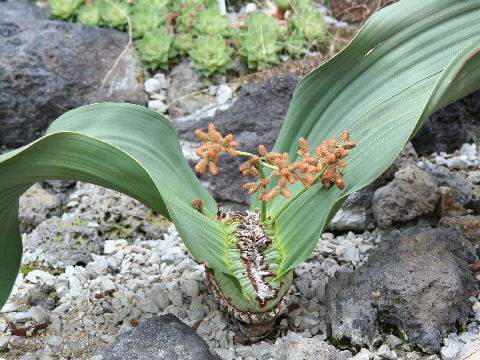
<point>407,61</point>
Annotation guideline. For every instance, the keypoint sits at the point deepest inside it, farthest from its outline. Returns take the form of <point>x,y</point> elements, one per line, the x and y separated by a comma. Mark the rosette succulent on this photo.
<point>183,42</point>
<point>309,24</point>
<point>259,45</point>
<point>406,62</point>
<point>295,45</point>
<point>89,14</point>
<point>283,4</point>
<point>114,13</point>
<point>186,11</point>
<point>156,49</point>
<point>211,55</point>
<point>63,9</point>
<point>158,4</point>
<point>145,18</point>
<point>210,22</point>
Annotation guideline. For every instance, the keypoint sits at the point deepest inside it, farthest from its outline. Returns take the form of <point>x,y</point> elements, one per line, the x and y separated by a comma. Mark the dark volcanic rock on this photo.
<point>450,127</point>
<point>255,117</point>
<point>161,338</point>
<point>418,280</point>
<point>412,193</point>
<point>48,67</point>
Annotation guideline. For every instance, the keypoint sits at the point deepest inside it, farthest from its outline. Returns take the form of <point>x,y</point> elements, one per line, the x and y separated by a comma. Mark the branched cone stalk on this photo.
<point>252,292</point>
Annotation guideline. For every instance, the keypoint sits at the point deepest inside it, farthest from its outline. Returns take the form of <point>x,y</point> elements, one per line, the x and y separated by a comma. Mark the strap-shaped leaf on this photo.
<point>408,60</point>
<point>124,147</point>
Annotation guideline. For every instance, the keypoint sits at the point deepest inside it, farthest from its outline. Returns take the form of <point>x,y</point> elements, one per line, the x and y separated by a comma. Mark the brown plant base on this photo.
<point>253,326</point>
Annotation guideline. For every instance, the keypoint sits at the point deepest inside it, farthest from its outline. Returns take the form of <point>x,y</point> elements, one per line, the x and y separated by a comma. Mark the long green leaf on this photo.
<point>124,147</point>
<point>407,61</point>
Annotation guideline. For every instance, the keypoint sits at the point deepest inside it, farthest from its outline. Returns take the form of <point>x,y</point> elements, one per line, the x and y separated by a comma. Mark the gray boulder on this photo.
<point>48,67</point>
<point>411,194</point>
<point>418,281</point>
<point>59,243</point>
<point>255,117</point>
<point>185,93</point>
<point>161,338</point>
<point>37,205</point>
<point>114,214</point>
<point>445,177</point>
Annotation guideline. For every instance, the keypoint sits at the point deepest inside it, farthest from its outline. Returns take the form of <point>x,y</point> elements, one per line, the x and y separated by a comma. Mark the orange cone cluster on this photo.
<point>212,144</point>
<point>327,161</point>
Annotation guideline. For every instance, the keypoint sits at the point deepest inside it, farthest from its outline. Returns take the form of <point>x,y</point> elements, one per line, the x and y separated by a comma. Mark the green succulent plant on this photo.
<point>183,42</point>
<point>156,49</point>
<point>158,4</point>
<point>186,14</point>
<point>295,45</point>
<point>89,14</point>
<point>112,17</point>
<point>309,24</point>
<point>210,22</point>
<point>175,5</point>
<point>406,62</point>
<point>63,9</point>
<point>211,55</point>
<point>259,45</point>
<point>302,6</point>
<point>145,18</point>
<point>283,4</point>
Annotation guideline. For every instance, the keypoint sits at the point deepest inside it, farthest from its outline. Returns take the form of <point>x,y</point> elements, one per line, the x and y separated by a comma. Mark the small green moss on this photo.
<point>78,221</point>
<point>58,238</point>
<point>157,220</point>
<point>25,270</point>
<point>119,232</point>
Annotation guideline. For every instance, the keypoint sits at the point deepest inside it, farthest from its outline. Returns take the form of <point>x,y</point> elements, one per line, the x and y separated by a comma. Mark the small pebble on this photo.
<point>152,86</point>
<point>38,314</point>
<point>458,163</point>
<point>224,93</point>
<point>158,106</point>
<point>384,351</point>
<point>393,341</point>
<point>161,79</point>
<point>4,343</point>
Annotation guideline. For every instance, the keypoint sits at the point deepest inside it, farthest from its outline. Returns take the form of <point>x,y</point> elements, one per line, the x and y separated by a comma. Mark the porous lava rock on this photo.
<point>417,281</point>
<point>48,67</point>
<point>37,205</point>
<point>254,117</point>
<point>411,194</point>
<point>163,337</point>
